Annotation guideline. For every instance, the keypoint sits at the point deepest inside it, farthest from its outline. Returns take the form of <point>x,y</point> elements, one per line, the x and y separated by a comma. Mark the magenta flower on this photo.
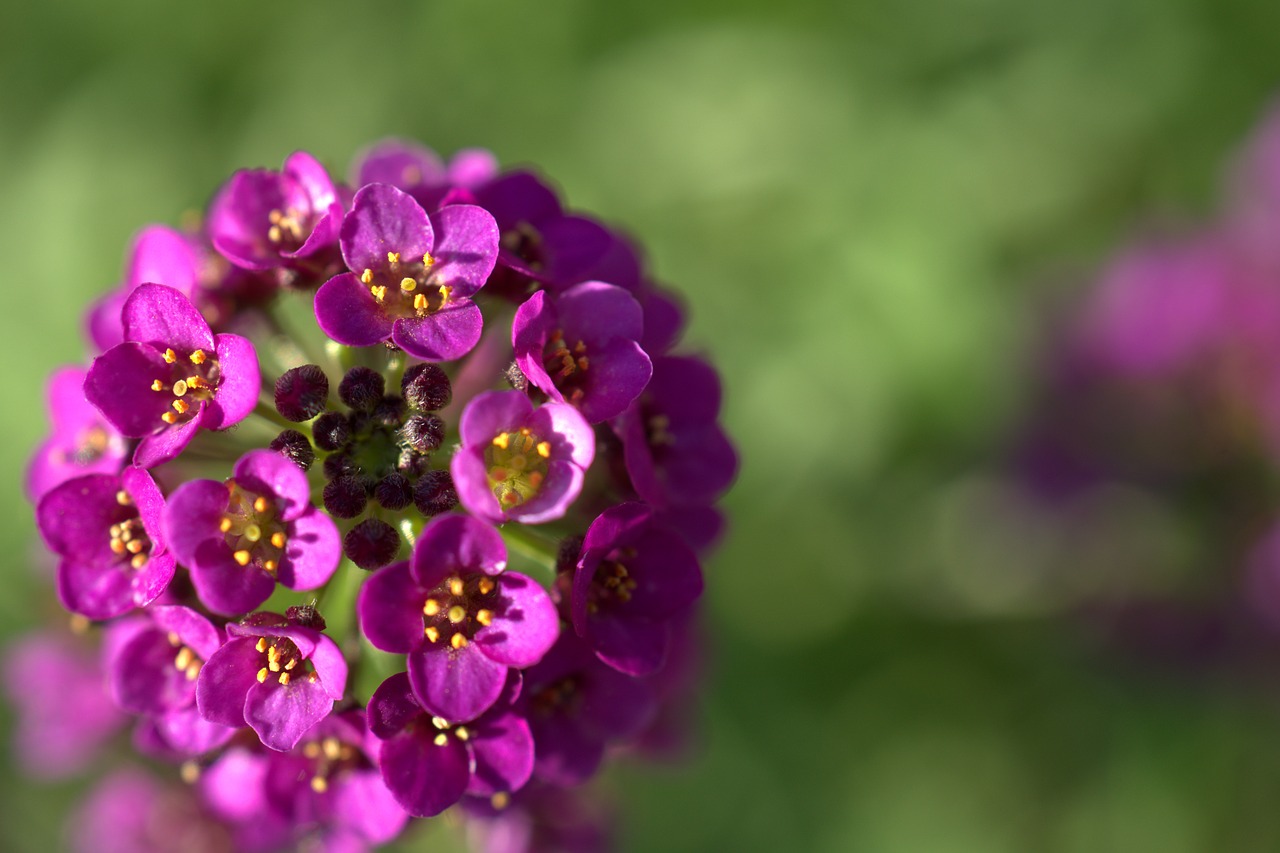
<point>279,679</point>
<point>429,763</point>
<point>414,275</point>
<point>172,376</point>
<point>262,219</point>
<point>419,171</point>
<point>633,577</point>
<point>461,619</point>
<point>131,812</point>
<point>518,463</point>
<point>107,530</point>
<point>581,348</point>
<point>239,537</point>
<point>81,442</point>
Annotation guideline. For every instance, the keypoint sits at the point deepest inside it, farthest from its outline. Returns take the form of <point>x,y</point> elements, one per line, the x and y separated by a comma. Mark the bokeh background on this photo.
<point>868,205</point>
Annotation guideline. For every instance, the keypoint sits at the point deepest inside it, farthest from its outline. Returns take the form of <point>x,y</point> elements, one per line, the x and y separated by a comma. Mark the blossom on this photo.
<point>416,274</point>
<point>462,619</point>
<point>81,441</point>
<point>518,462</point>
<point>239,537</point>
<point>421,173</point>
<point>172,376</point>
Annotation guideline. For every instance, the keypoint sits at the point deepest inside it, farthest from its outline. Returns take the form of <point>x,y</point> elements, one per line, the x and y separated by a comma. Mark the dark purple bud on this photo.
<point>426,387</point>
<point>339,465</point>
<point>345,497</point>
<point>301,393</point>
<point>424,433</point>
<point>515,377</point>
<point>394,492</point>
<point>305,616</point>
<point>331,431</point>
<point>295,447</point>
<point>434,493</point>
<point>362,388</point>
<point>371,544</point>
<point>389,412</point>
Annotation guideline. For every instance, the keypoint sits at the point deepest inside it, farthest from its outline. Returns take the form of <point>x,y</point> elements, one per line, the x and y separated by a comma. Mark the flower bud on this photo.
<point>301,393</point>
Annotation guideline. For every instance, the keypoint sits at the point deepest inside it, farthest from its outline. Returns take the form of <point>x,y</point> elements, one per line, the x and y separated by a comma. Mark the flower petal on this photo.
<point>163,317</point>
<point>347,312</point>
<point>458,685</point>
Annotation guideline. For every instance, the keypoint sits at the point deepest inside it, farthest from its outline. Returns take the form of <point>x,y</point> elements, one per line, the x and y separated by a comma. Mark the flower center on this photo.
<point>457,608</point>
<point>525,242</point>
<point>612,582</point>
<point>566,367</point>
<point>443,730</point>
<point>129,539</point>
<point>517,463</point>
<point>252,530</point>
<point>406,289</point>
<point>91,442</point>
<point>282,659</point>
<point>329,757</point>
<point>286,230</point>
<point>191,380</point>
<point>557,697</point>
<point>186,661</point>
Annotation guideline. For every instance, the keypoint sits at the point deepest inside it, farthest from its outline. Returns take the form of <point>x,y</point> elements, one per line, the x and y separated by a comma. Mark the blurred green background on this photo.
<point>866,203</point>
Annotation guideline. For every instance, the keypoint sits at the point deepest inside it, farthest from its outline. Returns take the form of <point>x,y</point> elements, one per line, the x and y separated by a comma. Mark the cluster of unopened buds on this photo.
<point>383,498</point>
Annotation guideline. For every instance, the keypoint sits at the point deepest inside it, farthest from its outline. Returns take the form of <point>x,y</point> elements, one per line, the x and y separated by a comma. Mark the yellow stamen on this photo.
<point>462,733</point>
<point>193,670</point>
<point>311,750</point>
<point>190,772</point>
<point>393,258</point>
<point>500,800</point>
<point>419,302</point>
<point>408,285</point>
<point>274,666</point>
<point>199,357</point>
<point>183,660</point>
<point>457,613</point>
<point>269,565</point>
<point>135,546</point>
<point>367,277</point>
<point>440,723</point>
<point>260,504</point>
<point>122,498</point>
<point>242,557</point>
<point>157,385</point>
<point>433,633</point>
<point>544,449</point>
<point>431,608</point>
<point>181,406</point>
<point>501,441</point>
<point>331,748</point>
<point>444,294</point>
<point>319,785</point>
<point>169,418</point>
<point>278,539</point>
<point>138,561</point>
<point>262,675</point>
<point>527,443</point>
<point>225,524</point>
<point>291,664</point>
<point>170,356</point>
<point>485,586</point>
<point>427,260</point>
<point>174,639</point>
<point>456,586</point>
<point>284,678</point>
<point>484,617</point>
<point>253,532</point>
<point>262,644</point>
<point>379,292</point>
<point>458,641</point>
<point>441,739</point>
<point>117,546</point>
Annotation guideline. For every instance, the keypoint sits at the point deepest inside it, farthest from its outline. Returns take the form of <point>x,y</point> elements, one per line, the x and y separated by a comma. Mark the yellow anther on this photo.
<point>458,641</point>
<point>190,772</point>
<point>262,675</point>
<point>273,653</point>
<point>431,607</point>
<point>260,504</point>
<point>225,524</point>
<point>367,277</point>
<point>122,498</point>
<point>181,406</point>
<point>485,586</point>
<point>393,258</point>
<point>441,739</point>
<point>379,292</point>
<point>311,750</point>
<point>78,624</point>
<point>419,302</point>
<point>501,441</point>
<point>484,617</point>
<point>179,388</point>
<point>242,557</point>
<point>444,294</point>
<point>138,561</point>
<point>432,633</point>
<point>525,431</point>
<point>291,664</point>
<point>183,659</point>
<point>284,678</point>
<point>544,449</point>
<point>252,532</point>
<point>273,234</point>
<point>196,382</point>
<point>408,285</point>
<point>427,260</point>
<point>278,539</point>
<point>262,644</point>
<point>274,665</point>
<point>169,418</point>
<point>319,785</point>
<point>456,586</point>
<point>269,565</point>
<point>199,357</point>
<point>332,748</point>
<point>313,676</point>
<point>170,356</point>
<point>117,546</point>
<point>135,546</point>
<point>157,385</point>
<point>174,639</point>
<point>193,670</point>
<point>462,733</point>
<point>500,800</point>
<point>457,613</point>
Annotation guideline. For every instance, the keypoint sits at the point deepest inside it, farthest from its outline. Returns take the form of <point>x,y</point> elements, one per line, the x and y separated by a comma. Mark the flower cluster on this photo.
<point>379,498</point>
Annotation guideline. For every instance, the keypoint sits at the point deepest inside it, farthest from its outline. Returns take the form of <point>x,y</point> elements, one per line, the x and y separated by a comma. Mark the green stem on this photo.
<point>533,546</point>
<point>267,410</point>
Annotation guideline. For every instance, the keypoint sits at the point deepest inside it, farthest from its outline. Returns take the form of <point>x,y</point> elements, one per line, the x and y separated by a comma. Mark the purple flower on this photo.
<point>540,818</point>
<point>63,712</point>
<point>576,706</point>
<point>82,442</point>
<point>461,619</point>
<point>676,454</point>
<point>154,670</point>
<point>107,530</point>
<point>414,275</point>
<point>419,171</point>
<point>632,578</point>
<point>429,763</point>
<point>518,463</point>
<point>129,812</point>
<point>263,219</point>
<point>278,679</point>
<point>581,348</point>
<point>239,537</point>
<point>172,376</point>
<point>327,789</point>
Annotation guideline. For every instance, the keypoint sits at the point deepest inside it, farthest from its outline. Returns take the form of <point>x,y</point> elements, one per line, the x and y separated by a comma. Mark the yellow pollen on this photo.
<point>311,750</point>
<point>190,772</point>
<point>253,533</point>
<point>456,586</point>
<point>277,539</point>
<point>179,388</point>
<point>458,641</point>
<point>393,257</point>
<point>242,557</point>
<point>138,561</point>
<point>462,733</point>
<point>444,294</point>
<point>169,418</point>
<point>419,302</point>
<point>501,441</point>
<point>135,546</point>
<point>427,260</point>
<point>431,607</point>
<point>484,617</point>
<point>525,431</point>
<point>457,613</point>
<point>262,644</point>
<point>269,565</point>
<point>331,748</point>
<point>225,524</point>
<point>183,659</point>
<point>157,385</point>
<point>122,498</point>
<point>379,292</point>
<point>193,670</point>
<point>367,277</point>
<point>408,285</point>
<point>433,633</point>
<point>284,678</point>
<point>544,449</point>
<point>485,586</point>
<point>273,653</point>
<point>441,739</point>
<point>260,504</point>
<point>291,664</point>
<point>170,356</point>
<point>117,546</point>
<point>440,723</point>
<point>500,800</point>
<point>181,406</point>
<point>319,785</point>
<point>174,639</point>
<point>262,675</point>
<point>199,357</point>
<point>196,382</point>
<point>273,234</point>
